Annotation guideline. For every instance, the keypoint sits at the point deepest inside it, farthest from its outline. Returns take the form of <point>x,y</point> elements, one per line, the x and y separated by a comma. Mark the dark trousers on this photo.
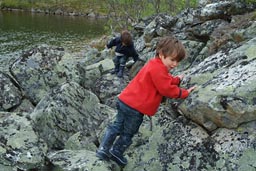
<point>126,125</point>
<point>127,122</point>
<point>120,60</point>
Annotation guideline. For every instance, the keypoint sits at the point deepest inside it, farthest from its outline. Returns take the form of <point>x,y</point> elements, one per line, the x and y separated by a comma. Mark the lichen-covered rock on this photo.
<point>81,160</point>
<point>173,145</point>
<point>230,35</point>
<point>224,98</point>
<point>223,9</point>
<point>202,31</point>
<point>6,168</point>
<point>20,146</point>
<point>179,144</point>
<point>152,30</point>
<point>42,68</point>
<point>95,71</point>
<point>193,51</point>
<point>10,95</point>
<point>109,86</point>
<point>236,148</point>
<point>66,110</point>
<point>25,106</point>
<point>79,141</point>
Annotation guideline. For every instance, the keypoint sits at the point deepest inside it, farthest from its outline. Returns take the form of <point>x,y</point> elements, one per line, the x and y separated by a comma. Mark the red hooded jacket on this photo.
<point>145,92</point>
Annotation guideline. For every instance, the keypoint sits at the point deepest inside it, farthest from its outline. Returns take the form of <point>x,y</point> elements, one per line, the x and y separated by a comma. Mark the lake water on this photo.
<point>21,31</point>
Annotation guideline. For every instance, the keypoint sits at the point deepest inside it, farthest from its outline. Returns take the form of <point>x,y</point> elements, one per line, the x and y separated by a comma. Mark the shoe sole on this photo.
<point>117,160</point>
<point>103,156</point>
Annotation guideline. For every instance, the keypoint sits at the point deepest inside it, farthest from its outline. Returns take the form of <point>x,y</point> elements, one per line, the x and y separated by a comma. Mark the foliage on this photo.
<point>14,4</point>
<point>123,13</point>
<point>137,7</point>
<point>250,1</point>
<point>254,16</point>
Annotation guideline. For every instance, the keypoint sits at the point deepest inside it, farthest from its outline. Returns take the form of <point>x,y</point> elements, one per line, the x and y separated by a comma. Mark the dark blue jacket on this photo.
<point>128,51</point>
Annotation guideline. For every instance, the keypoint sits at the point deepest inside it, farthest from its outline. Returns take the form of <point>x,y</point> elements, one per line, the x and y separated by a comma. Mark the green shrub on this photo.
<point>23,4</point>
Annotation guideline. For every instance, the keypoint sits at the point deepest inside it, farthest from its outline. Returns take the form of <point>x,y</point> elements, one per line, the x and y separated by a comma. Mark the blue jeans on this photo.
<point>127,122</point>
<point>120,60</point>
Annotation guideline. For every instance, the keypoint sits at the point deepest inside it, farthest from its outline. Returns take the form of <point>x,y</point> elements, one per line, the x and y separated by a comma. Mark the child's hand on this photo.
<point>181,76</point>
<point>191,89</point>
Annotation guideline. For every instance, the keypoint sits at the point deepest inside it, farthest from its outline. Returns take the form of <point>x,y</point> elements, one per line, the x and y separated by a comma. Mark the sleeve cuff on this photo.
<point>183,93</point>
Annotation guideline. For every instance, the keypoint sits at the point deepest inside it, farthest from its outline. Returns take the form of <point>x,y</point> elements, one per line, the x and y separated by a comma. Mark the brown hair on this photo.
<point>170,46</point>
<point>126,37</point>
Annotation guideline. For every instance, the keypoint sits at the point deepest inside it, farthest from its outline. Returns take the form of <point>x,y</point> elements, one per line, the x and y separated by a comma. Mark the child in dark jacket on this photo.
<point>142,96</point>
<point>124,50</point>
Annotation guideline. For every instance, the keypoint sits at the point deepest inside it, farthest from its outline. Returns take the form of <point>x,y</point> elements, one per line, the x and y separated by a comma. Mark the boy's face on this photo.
<point>169,61</point>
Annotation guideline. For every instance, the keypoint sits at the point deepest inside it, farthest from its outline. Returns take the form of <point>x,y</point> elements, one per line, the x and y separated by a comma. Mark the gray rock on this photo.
<point>10,95</point>
<point>66,110</point>
<point>95,71</point>
<point>42,68</point>
<point>236,148</point>
<point>80,160</point>
<point>20,145</point>
<point>224,97</point>
<point>223,9</point>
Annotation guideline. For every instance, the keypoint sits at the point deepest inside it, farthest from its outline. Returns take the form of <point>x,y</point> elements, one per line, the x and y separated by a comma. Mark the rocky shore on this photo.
<point>60,11</point>
<point>54,105</point>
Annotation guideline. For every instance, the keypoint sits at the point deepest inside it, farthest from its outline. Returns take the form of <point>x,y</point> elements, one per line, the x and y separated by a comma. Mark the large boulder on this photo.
<point>94,71</point>
<point>66,110</point>
<point>224,97</point>
<point>108,87</point>
<point>183,145</point>
<point>224,10</point>
<point>172,145</point>
<point>159,26</point>
<point>42,68</point>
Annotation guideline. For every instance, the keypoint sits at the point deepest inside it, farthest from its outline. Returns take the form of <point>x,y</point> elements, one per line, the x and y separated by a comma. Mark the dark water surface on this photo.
<point>20,31</point>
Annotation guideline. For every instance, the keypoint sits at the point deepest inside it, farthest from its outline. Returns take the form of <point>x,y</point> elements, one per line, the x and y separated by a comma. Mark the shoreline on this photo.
<point>90,14</point>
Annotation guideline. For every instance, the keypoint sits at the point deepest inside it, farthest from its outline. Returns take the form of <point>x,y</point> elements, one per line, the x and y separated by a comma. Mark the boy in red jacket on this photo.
<point>142,96</point>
